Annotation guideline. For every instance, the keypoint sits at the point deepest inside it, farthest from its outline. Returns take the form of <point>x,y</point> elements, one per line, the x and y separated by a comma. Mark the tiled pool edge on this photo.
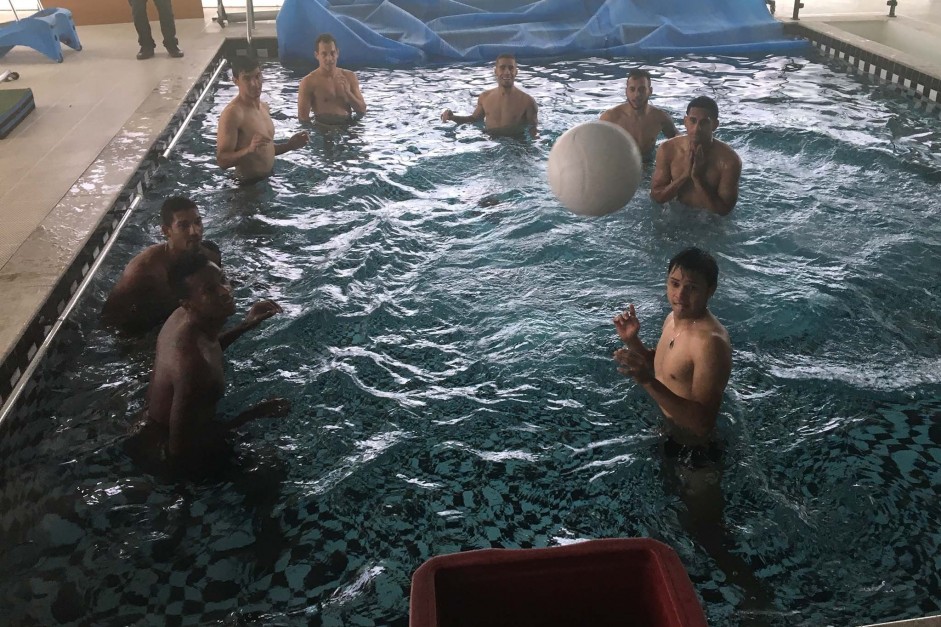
<point>923,88</point>
<point>140,168</point>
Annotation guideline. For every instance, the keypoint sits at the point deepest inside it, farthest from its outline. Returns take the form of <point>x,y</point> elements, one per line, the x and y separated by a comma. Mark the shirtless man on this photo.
<point>188,379</point>
<point>506,110</point>
<point>687,372</point>
<point>643,121</point>
<point>686,375</point>
<point>142,297</point>
<point>332,93</point>
<point>245,138</point>
<point>699,170</point>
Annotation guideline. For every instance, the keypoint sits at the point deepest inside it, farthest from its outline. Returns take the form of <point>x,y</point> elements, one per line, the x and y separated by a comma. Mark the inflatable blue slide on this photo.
<point>408,32</point>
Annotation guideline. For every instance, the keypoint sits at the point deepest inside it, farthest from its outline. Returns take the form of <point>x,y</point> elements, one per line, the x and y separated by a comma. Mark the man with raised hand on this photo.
<point>686,375</point>
<point>330,92</point>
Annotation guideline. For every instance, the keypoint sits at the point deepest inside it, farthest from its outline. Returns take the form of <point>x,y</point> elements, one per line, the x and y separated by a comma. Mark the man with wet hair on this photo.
<point>687,372</point>
<point>506,109</point>
<point>696,168</point>
<point>142,298</point>
<point>188,378</point>
<point>245,138</point>
<point>686,375</point>
<point>330,92</point>
<point>642,120</point>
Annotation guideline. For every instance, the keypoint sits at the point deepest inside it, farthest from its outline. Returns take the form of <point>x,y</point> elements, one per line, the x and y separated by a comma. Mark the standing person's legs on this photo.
<point>167,25</point>
<point>142,24</point>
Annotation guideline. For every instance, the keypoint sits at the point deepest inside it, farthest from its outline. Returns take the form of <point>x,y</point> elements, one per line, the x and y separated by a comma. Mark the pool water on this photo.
<point>446,343</point>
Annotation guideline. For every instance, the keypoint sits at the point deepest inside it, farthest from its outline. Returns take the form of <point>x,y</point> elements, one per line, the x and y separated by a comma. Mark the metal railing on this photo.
<point>249,16</point>
<point>798,5</point>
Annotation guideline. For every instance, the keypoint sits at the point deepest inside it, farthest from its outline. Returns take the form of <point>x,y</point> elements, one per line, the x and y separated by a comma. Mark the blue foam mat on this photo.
<point>406,32</point>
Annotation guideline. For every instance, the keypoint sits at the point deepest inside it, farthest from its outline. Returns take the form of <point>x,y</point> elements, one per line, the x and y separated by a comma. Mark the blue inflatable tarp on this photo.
<point>408,32</point>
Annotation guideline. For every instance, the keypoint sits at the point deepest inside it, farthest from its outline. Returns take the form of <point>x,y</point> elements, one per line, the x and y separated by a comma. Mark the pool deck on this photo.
<point>97,116</point>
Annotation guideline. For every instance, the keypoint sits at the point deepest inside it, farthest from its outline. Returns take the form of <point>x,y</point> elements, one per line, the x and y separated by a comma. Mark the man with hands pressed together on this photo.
<point>696,168</point>
<point>245,137</point>
<point>330,92</point>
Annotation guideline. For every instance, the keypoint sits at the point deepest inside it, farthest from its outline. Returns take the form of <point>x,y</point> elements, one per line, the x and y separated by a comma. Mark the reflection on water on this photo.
<point>446,342</point>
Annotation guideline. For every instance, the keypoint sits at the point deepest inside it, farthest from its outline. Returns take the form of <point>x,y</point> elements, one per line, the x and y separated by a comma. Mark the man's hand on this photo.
<point>343,86</point>
<point>259,141</point>
<point>697,163</point>
<point>262,310</point>
<point>298,140</point>
<point>447,115</point>
<point>627,325</point>
<point>634,364</point>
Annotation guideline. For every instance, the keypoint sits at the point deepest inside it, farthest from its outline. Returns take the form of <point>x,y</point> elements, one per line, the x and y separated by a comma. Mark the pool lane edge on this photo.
<point>121,172</point>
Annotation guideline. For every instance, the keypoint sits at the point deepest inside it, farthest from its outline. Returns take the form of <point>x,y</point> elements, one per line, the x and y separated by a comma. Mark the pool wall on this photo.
<point>915,70</point>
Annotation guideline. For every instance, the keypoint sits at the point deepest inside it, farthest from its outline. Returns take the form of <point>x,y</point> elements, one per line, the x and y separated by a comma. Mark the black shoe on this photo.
<point>175,52</point>
<point>145,53</point>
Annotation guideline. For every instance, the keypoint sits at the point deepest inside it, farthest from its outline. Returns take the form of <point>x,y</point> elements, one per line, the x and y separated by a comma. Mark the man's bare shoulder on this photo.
<point>659,114</point>
<point>233,112</point>
<point>727,154</point>
<point>529,99</point>
<point>671,146</point>
<point>348,73</point>
<point>712,333</point>
<point>145,262</point>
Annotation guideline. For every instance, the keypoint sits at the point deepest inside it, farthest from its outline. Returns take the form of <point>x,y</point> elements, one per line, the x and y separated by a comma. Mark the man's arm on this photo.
<point>297,140</point>
<point>304,100</point>
<point>532,117</point>
<point>667,127</point>
<point>227,139</point>
<point>663,187</point>
<point>722,198</point>
<point>354,97</point>
<point>262,310</point>
<point>712,366</point>
<point>186,394</point>
<point>476,116</point>
<point>271,408</point>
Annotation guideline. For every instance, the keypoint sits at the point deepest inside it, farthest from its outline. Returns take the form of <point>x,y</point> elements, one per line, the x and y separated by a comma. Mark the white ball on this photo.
<point>595,168</point>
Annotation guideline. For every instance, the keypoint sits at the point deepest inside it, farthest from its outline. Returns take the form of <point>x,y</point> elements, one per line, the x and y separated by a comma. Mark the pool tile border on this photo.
<point>924,89</point>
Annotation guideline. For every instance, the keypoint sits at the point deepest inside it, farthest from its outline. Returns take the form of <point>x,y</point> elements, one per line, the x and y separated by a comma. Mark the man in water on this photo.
<point>142,297</point>
<point>643,121</point>
<point>188,378</point>
<point>696,168</point>
<point>686,375</point>
<point>505,109</point>
<point>687,372</point>
<point>245,138</point>
<point>332,93</point>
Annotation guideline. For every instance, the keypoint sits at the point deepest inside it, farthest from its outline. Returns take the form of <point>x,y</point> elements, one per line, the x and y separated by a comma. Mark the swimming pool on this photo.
<point>446,341</point>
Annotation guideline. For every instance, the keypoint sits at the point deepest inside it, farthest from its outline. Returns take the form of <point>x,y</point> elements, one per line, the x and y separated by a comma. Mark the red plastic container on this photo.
<point>598,583</point>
